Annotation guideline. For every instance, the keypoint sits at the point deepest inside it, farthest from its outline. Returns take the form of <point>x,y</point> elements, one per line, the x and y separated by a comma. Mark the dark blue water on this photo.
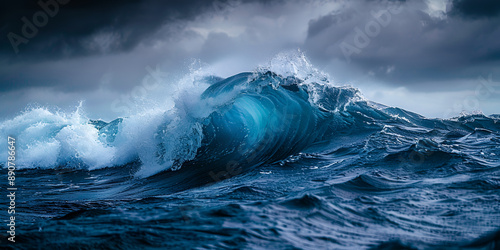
<point>258,161</point>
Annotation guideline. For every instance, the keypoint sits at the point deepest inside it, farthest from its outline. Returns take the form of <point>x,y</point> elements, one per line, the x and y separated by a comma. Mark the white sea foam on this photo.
<point>47,139</point>
<point>161,133</point>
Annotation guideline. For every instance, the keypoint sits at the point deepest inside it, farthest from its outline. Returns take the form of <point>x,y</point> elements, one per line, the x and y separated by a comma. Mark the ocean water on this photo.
<point>276,158</point>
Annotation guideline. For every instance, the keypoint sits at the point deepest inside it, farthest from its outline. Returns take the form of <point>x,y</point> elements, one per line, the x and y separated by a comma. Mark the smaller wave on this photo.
<point>373,183</point>
<point>307,201</point>
<point>489,241</point>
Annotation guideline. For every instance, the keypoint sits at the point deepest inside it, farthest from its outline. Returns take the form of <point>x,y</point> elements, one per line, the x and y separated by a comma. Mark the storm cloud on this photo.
<point>416,45</point>
<point>476,9</point>
<point>85,28</point>
<point>99,51</point>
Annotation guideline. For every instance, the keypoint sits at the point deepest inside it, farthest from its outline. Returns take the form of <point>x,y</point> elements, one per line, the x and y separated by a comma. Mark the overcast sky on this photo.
<point>433,57</point>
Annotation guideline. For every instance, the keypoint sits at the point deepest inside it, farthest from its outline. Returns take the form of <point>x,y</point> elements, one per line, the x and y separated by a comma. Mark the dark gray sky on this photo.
<point>434,57</point>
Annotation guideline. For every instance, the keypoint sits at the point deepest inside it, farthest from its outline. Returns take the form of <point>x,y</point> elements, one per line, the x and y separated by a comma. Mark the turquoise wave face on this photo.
<point>261,122</point>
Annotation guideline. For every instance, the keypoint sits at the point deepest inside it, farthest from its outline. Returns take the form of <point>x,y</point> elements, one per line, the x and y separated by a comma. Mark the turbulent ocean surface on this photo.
<point>277,158</point>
